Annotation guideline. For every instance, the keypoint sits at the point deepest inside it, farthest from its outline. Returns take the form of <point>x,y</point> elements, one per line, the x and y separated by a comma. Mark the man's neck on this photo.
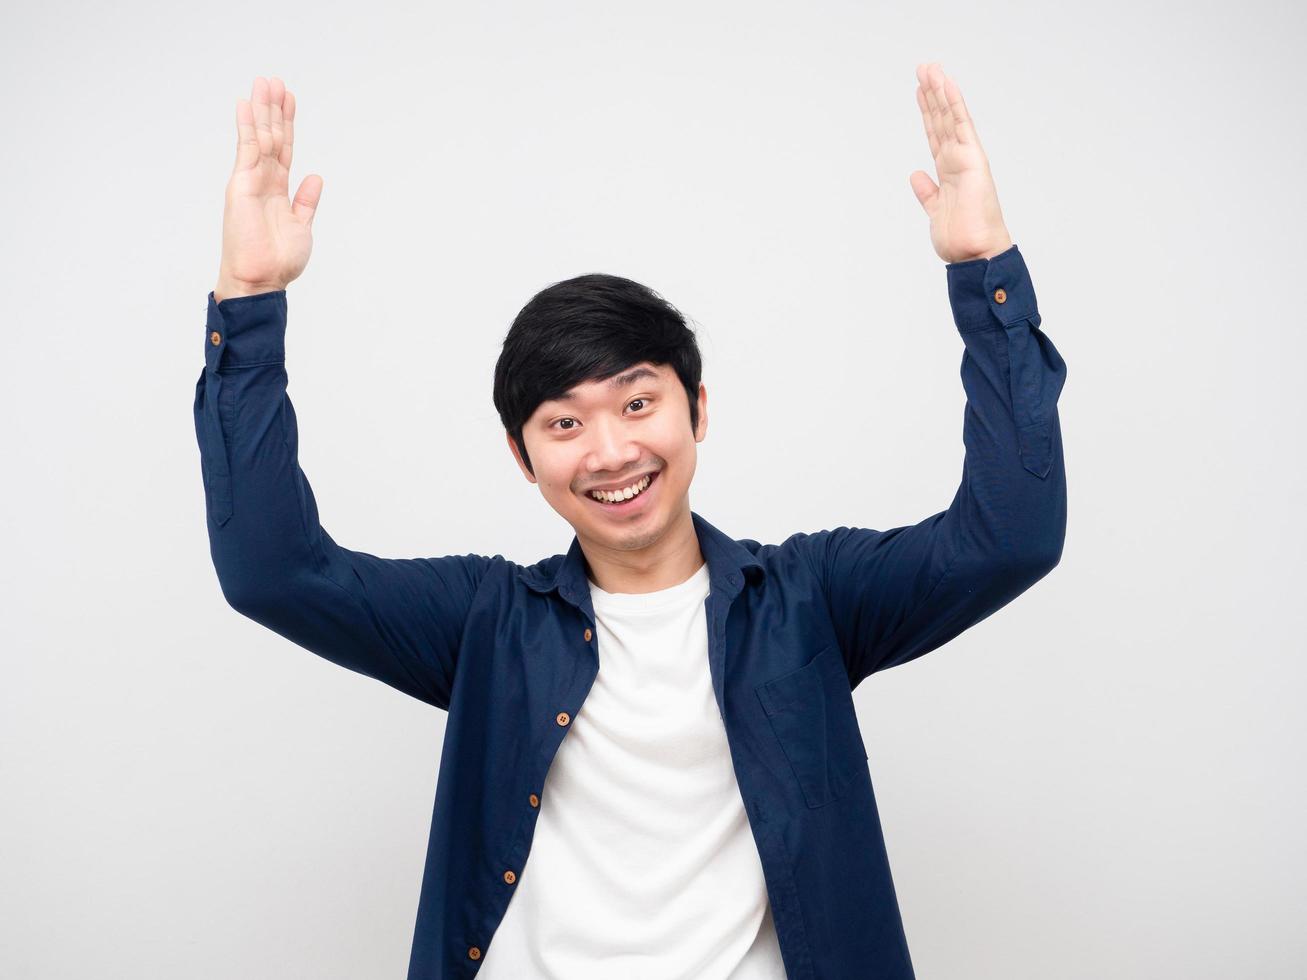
<point>669,561</point>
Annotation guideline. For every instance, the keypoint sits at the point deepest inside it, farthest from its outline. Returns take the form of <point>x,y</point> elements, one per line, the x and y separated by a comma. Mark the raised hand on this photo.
<point>266,239</point>
<point>965,219</point>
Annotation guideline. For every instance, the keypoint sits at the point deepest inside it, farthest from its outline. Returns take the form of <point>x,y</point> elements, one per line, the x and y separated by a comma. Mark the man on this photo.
<point>701,807</point>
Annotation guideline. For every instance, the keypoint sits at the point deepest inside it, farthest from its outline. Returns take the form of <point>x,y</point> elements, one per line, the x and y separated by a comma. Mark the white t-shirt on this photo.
<point>643,865</point>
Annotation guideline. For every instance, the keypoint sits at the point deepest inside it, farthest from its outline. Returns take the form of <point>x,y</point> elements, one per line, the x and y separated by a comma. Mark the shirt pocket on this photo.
<point>811,711</point>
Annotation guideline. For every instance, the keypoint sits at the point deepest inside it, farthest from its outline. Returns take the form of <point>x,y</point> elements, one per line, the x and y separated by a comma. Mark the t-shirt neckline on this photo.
<point>642,601</point>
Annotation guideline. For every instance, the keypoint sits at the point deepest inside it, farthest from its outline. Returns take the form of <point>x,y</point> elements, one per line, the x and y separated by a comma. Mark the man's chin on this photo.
<point>616,536</point>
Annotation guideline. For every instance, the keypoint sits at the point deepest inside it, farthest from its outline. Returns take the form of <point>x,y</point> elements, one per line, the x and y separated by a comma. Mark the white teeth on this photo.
<point>626,493</point>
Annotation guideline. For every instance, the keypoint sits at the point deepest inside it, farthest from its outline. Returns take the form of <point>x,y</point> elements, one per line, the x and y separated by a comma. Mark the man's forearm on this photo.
<point>252,462</point>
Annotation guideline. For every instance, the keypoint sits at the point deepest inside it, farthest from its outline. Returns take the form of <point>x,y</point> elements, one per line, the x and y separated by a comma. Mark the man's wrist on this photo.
<point>992,252</point>
<point>997,248</point>
<point>229,289</point>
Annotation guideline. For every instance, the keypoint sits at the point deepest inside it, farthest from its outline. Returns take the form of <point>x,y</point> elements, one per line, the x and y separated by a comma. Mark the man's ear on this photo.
<point>701,429</point>
<point>517,455</point>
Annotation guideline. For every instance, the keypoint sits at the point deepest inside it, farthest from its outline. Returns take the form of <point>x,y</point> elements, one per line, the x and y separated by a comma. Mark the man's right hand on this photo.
<point>266,239</point>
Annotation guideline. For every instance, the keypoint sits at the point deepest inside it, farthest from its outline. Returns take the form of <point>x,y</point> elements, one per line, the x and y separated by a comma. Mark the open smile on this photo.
<point>631,504</point>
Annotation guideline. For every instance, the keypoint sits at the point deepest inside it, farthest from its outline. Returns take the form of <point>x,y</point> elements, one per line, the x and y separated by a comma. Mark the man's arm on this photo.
<point>897,594</point>
<point>397,620</point>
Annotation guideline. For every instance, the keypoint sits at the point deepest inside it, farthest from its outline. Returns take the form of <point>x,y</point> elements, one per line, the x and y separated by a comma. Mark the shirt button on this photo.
<point>1000,296</point>
<point>588,634</point>
<point>535,800</point>
<point>474,953</point>
<point>562,718</point>
<point>510,877</point>
<point>215,338</point>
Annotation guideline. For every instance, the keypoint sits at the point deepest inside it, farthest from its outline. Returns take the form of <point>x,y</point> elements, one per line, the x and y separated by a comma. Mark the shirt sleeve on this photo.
<point>897,594</point>
<point>398,620</point>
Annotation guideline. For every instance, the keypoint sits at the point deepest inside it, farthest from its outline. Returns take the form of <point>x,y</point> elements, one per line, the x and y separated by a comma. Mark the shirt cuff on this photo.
<point>991,292</point>
<point>243,331</point>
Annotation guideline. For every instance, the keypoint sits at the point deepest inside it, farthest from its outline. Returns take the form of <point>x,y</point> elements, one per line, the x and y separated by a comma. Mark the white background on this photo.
<point>1105,778</point>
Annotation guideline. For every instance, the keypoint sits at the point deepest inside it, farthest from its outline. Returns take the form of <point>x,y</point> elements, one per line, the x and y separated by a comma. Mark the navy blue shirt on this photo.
<point>510,650</point>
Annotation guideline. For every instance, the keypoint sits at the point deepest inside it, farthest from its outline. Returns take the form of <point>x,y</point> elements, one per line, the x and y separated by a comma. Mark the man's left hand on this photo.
<point>965,219</point>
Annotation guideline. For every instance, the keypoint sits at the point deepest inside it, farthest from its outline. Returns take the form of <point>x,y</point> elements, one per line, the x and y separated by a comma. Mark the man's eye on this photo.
<point>567,418</point>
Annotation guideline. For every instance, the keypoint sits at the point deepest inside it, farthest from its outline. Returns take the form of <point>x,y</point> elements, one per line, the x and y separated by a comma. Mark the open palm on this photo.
<point>965,219</point>
<point>266,238</point>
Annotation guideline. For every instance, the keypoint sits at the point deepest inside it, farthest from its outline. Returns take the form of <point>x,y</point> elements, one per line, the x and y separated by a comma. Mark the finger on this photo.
<point>925,189</point>
<point>943,119</point>
<point>276,92</point>
<point>247,143</point>
<point>262,115</point>
<point>288,124</point>
<point>932,111</point>
<point>305,205</point>
<point>927,122</point>
<point>962,125</point>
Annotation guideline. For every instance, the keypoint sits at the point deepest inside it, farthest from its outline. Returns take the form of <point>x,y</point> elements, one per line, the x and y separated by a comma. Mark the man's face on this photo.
<point>632,428</point>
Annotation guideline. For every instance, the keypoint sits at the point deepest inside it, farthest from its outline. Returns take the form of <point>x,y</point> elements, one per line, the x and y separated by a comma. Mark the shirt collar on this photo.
<point>728,563</point>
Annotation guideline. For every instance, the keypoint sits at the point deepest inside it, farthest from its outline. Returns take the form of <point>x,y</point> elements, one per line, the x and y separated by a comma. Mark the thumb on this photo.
<point>305,205</point>
<point>924,188</point>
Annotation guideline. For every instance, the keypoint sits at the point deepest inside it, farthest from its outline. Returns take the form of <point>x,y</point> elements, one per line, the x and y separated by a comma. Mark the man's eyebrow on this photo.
<point>616,382</point>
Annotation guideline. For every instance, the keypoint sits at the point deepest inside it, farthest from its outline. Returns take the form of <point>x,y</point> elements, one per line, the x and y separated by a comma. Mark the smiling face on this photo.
<point>629,430</point>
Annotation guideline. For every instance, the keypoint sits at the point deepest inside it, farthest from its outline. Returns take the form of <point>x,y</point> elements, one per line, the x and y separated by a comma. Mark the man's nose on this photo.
<point>612,451</point>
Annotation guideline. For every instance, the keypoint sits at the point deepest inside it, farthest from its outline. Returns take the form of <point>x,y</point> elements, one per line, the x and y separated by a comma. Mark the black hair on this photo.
<point>587,329</point>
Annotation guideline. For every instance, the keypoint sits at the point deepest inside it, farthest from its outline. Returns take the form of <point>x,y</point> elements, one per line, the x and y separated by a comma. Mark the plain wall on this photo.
<point>1102,779</point>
